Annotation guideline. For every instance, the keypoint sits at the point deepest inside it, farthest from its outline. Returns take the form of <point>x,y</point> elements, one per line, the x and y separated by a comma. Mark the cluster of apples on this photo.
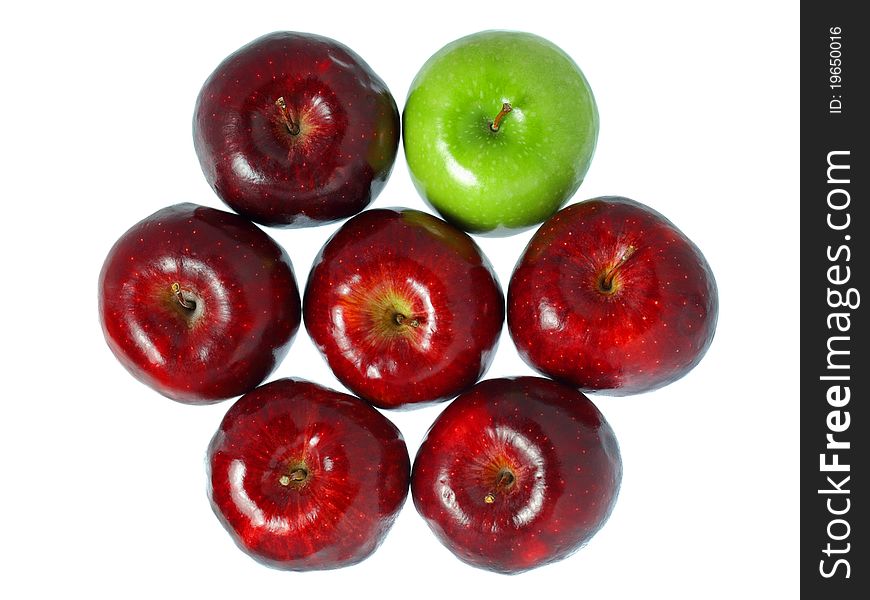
<point>499,128</point>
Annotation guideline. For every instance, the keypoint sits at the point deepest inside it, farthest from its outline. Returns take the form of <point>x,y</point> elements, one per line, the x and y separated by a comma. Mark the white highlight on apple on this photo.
<point>459,172</point>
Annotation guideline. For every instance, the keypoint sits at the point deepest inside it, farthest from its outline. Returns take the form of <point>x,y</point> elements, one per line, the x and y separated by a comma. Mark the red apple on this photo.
<point>611,297</point>
<point>405,308</point>
<point>198,303</point>
<point>304,477</point>
<point>295,129</point>
<point>517,473</point>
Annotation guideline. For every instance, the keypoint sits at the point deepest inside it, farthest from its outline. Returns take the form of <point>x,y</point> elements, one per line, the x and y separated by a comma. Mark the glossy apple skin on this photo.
<point>335,165</point>
<point>498,183</point>
<point>655,326</point>
<point>248,306</point>
<point>560,450</point>
<point>389,261</point>
<point>356,469</point>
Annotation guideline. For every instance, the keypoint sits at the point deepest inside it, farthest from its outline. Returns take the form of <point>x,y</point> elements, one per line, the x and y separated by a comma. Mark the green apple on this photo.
<point>499,130</point>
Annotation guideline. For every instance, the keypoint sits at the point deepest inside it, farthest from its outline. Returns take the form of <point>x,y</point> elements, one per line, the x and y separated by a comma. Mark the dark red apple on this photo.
<point>295,129</point>
<point>611,297</point>
<point>405,308</point>
<point>304,477</point>
<point>517,473</point>
<point>198,303</point>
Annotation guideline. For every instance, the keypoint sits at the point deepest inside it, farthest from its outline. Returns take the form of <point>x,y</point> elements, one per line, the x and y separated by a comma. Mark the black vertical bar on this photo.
<point>835,368</point>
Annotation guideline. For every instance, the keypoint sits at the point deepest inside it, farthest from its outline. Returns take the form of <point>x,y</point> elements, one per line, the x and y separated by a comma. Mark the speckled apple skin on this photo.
<point>651,331</point>
<point>249,307</point>
<point>489,182</point>
<point>357,466</point>
<point>438,274</point>
<point>562,452</point>
<point>340,159</point>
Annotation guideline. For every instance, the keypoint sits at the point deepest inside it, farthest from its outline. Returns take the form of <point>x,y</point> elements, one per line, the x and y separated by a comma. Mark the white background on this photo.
<point>103,484</point>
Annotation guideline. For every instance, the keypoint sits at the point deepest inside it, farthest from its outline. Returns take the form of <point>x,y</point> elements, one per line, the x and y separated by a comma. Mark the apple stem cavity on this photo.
<point>400,319</point>
<point>297,477</point>
<point>179,295</point>
<point>292,126</point>
<point>504,480</point>
<point>496,123</point>
<point>606,281</point>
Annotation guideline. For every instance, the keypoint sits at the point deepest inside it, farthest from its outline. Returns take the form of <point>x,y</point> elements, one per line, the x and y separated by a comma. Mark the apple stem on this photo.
<point>607,281</point>
<point>496,123</point>
<point>176,289</point>
<point>291,125</point>
<point>504,479</point>
<point>297,475</point>
<point>400,319</point>
<point>605,284</point>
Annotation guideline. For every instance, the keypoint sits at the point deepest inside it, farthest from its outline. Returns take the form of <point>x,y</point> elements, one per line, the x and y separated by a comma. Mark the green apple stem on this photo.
<point>292,126</point>
<point>504,480</point>
<point>496,123</point>
<point>176,289</point>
